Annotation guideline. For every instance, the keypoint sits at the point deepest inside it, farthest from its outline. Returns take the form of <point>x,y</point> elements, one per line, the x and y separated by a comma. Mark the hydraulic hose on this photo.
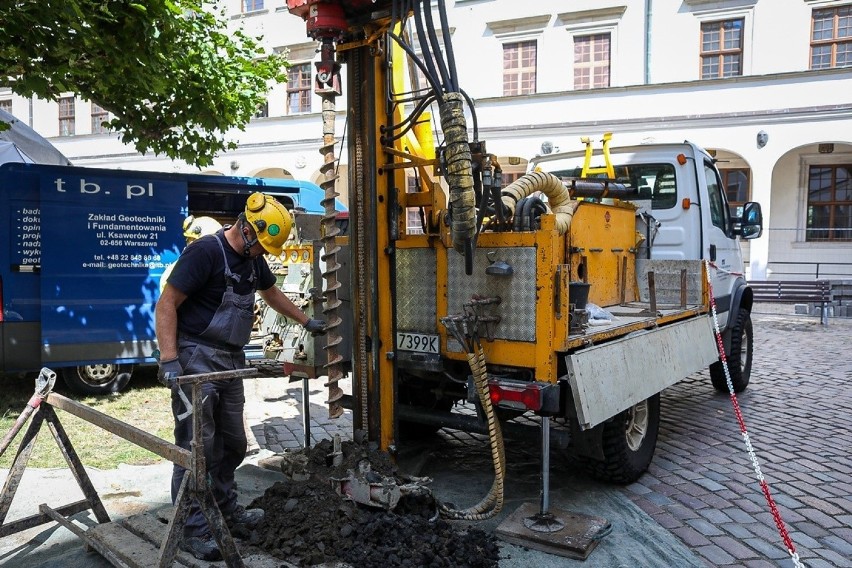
<point>557,195</point>
<point>459,172</point>
<point>493,501</point>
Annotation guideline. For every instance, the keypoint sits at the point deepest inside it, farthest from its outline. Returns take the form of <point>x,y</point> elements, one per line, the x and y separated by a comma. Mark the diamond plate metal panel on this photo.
<point>416,289</point>
<point>517,292</point>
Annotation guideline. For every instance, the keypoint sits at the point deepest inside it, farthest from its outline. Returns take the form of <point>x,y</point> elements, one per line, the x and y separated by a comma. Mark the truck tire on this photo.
<point>628,441</point>
<point>739,358</point>
<point>98,378</point>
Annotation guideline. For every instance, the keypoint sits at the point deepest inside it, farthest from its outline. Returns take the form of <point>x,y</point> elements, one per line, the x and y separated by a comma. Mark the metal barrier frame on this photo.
<point>194,486</point>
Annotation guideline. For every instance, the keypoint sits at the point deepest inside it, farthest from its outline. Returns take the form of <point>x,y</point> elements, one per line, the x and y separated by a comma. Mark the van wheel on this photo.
<point>628,441</point>
<point>739,359</point>
<point>99,378</point>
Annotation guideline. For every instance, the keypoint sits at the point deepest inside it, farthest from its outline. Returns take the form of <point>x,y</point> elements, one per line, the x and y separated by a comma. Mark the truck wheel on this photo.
<point>628,441</point>
<point>99,378</point>
<point>739,359</point>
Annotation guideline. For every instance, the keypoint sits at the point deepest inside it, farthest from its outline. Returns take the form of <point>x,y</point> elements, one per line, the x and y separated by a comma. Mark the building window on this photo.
<point>591,61</point>
<point>6,105</point>
<point>299,88</point>
<point>66,116</point>
<point>722,49</point>
<point>262,110</point>
<point>829,203</point>
<point>99,116</point>
<point>252,5</point>
<point>519,62</point>
<point>413,215</point>
<point>831,38</point>
<point>736,184</point>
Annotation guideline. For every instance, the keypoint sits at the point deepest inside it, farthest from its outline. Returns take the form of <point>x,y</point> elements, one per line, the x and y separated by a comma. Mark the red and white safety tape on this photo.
<point>776,514</point>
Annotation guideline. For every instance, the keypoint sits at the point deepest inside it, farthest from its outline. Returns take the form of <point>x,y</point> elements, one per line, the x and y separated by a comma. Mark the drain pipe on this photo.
<point>648,41</point>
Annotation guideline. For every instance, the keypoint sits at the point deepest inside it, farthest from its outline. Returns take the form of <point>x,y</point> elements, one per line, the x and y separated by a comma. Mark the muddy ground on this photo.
<point>308,523</point>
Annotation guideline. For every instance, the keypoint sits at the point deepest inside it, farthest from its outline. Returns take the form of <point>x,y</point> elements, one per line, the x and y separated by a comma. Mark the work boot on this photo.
<point>243,517</point>
<point>203,547</point>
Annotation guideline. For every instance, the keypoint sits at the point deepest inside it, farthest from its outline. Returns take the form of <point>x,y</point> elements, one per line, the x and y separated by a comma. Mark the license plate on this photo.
<point>419,342</point>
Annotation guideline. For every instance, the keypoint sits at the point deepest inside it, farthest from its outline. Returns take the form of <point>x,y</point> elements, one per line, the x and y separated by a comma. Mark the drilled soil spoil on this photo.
<point>307,523</point>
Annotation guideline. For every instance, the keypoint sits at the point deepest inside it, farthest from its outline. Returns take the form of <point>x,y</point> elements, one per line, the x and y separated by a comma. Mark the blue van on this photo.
<point>79,275</point>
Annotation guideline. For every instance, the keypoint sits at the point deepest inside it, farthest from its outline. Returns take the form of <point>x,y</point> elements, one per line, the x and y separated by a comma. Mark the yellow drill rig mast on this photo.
<point>390,132</point>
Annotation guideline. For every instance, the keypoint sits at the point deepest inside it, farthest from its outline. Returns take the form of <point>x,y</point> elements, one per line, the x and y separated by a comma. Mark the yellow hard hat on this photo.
<point>270,220</point>
<point>196,227</point>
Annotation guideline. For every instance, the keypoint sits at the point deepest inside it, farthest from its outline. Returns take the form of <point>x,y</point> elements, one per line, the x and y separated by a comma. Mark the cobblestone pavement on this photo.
<point>701,485</point>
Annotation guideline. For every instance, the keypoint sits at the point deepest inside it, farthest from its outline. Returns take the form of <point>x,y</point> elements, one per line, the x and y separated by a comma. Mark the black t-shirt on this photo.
<point>200,274</point>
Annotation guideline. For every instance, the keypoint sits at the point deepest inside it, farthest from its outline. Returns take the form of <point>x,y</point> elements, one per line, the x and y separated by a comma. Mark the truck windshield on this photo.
<point>656,182</point>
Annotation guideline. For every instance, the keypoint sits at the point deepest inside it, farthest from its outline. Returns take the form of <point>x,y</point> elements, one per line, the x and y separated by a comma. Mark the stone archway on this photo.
<point>804,187</point>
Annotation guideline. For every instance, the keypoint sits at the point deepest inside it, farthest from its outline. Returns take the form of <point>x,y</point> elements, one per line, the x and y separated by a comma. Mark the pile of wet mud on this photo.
<point>307,522</point>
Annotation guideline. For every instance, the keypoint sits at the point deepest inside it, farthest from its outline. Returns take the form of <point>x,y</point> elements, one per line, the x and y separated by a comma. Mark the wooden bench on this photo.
<point>794,292</point>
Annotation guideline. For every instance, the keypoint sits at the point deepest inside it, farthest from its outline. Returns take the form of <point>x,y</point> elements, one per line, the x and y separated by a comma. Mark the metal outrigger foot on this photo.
<point>555,531</point>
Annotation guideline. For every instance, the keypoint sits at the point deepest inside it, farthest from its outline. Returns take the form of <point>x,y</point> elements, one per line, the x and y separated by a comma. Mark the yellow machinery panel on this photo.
<point>602,247</point>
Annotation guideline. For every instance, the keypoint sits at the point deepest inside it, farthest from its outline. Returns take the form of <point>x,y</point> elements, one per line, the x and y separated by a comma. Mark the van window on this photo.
<point>656,182</point>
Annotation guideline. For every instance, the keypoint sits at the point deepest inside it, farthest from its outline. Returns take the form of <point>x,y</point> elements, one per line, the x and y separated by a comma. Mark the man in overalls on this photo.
<point>204,318</point>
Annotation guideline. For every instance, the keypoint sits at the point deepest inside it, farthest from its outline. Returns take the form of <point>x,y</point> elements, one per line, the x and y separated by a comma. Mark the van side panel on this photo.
<point>84,250</point>
<point>19,265</point>
<point>105,241</point>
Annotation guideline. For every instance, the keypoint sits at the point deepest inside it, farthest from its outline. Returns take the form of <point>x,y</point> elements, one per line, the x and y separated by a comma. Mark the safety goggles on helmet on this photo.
<point>270,220</point>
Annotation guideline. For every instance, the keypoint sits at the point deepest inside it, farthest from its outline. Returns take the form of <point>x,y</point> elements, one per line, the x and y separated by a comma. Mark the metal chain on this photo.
<point>776,514</point>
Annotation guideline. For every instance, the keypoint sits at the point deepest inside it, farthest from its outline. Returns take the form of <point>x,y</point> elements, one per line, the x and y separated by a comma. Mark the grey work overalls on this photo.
<point>218,348</point>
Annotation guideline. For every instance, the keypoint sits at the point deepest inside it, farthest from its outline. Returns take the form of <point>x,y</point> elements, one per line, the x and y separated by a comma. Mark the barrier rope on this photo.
<point>776,514</point>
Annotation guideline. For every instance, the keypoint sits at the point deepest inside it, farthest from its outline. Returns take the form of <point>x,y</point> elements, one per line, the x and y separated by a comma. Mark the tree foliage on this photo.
<point>174,77</point>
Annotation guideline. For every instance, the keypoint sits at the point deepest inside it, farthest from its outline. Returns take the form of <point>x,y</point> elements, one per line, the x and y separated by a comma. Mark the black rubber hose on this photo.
<point>433,82</point>
<point>536,211</point>
<point>426,52</point>
<point>436,48</point>
<point>448,48</point>
<point>521,213</point>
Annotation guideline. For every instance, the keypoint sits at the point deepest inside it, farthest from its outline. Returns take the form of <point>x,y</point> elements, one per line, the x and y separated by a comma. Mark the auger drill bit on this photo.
<point>333,366</point>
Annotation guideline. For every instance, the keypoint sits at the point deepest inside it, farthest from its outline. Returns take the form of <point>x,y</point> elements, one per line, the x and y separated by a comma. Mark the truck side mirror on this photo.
<point>750,222</point>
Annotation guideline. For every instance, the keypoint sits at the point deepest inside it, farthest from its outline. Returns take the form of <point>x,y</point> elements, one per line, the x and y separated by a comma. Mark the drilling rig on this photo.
<point>494,302</point>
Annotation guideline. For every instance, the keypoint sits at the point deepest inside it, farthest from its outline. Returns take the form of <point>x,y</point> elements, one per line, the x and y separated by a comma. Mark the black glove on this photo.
<point>315,326</point>
<point>169,372</point>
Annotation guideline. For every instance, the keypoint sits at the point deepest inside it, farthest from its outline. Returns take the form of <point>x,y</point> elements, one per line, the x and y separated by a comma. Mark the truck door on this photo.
<point>722,249</point>
<point>104,241</point>
<point>679,227</point>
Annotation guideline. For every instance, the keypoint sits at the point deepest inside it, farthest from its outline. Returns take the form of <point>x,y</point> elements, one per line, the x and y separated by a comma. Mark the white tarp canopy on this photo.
<point>11,153</point>
<point>20,143</point>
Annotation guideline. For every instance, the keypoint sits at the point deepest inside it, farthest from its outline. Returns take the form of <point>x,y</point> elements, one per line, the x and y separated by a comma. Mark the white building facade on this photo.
<point>765,84</point>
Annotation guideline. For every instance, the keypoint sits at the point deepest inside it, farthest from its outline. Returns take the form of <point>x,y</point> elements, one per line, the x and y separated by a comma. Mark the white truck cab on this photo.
<point>683,214</point>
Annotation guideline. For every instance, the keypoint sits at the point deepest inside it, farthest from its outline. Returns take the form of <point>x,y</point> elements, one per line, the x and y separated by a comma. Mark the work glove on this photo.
<point>169,372</point>
<point>315,326</point>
